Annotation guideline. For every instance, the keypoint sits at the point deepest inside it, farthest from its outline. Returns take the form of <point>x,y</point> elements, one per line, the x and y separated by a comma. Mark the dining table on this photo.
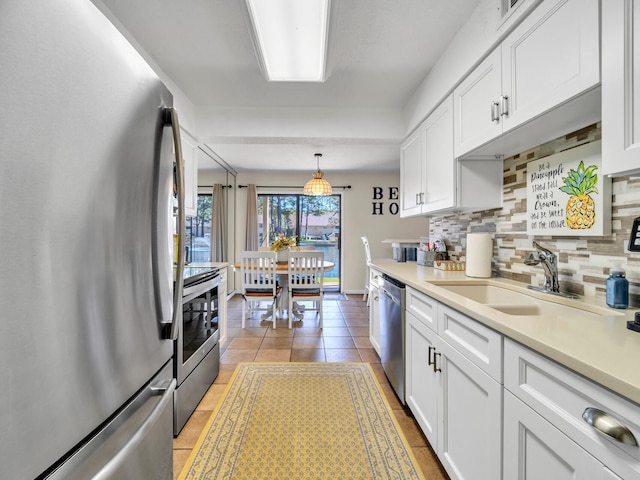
<point>282,271</point>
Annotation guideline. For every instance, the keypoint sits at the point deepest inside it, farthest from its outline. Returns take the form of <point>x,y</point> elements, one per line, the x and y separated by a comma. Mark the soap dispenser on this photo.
<point>617,288</point>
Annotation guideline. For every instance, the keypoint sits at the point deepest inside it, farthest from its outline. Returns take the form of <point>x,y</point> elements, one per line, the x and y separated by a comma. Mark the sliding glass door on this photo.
<point>314,220</point>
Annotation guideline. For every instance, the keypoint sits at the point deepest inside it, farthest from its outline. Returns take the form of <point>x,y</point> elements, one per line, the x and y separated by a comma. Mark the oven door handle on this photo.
<point>193,291</point>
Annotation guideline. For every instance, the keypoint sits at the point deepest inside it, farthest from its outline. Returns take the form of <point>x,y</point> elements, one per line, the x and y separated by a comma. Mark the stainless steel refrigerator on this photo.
<point>86,217</point>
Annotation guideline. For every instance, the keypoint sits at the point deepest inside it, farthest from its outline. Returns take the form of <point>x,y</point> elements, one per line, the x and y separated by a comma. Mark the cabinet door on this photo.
<point>535,450</point>
<point>222,305</point>
<point>422,387</point>
<point>470,433</point>
<point>374,316</point>
<point>437,141</point>
<point>189,153</point>
<point>473,103</point>
<point>411,174</point>
<point>552,56</point>
<point>620,87</point>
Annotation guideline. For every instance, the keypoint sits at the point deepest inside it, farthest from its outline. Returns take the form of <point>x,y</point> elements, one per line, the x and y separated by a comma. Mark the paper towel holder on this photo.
<point>479,255</point>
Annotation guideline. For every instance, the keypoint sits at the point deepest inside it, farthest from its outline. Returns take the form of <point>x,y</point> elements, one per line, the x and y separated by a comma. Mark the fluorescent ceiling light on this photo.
<point>291,38</point>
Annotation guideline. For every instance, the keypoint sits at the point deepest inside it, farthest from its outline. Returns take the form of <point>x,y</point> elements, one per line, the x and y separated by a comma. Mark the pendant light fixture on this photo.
<point>317,186</point>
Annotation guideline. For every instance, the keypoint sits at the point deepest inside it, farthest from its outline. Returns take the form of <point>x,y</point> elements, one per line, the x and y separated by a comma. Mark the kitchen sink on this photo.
<point>513,300</point>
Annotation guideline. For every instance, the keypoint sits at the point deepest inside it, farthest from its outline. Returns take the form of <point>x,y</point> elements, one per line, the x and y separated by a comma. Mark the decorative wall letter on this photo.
<point>378,207</point>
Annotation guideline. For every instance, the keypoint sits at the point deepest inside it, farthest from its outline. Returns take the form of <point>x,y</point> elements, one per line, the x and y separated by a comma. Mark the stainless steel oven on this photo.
<point>197,350</point>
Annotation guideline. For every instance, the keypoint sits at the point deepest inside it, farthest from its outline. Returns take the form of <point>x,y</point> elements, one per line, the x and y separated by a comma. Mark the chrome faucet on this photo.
<point>549,261</point>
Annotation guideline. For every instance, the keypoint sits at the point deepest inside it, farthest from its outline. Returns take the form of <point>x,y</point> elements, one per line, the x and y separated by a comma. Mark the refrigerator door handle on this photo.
<point>171,333</point>
<point>164,388</point>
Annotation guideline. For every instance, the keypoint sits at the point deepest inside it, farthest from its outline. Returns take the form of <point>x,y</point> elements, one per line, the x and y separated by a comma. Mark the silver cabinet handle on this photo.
<point>504,105</point>
<point>609,426</point>
<point>434,362</point>
<point>436,369</point>
<point>495,110</point>
<point>417,199</point>
<point>421,198</point>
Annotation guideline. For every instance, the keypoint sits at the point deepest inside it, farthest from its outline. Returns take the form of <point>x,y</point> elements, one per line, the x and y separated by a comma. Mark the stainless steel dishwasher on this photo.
<point>392,301</point>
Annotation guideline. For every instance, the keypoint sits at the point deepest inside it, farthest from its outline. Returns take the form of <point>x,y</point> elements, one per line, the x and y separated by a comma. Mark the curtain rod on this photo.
<point>344,187</point>
<point>211,186</point>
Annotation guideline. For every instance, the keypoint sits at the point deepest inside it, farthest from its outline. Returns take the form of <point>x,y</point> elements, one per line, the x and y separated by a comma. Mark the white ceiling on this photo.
<point>379,53</point>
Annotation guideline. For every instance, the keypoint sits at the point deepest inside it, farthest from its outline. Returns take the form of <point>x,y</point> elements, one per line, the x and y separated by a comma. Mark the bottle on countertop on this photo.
<point>617,288</point>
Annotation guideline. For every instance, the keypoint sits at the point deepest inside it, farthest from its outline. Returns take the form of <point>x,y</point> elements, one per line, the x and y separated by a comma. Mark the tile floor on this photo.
<point>344,338</point>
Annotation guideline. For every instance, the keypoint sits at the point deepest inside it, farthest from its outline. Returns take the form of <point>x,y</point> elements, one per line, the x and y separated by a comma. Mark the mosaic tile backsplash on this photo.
<point>583,262</point>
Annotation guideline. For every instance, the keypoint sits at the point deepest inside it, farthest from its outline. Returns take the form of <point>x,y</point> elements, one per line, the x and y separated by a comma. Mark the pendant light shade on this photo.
<point>317,186</point>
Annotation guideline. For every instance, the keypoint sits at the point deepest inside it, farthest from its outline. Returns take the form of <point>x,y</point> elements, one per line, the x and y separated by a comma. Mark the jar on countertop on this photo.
<point>617,289</point>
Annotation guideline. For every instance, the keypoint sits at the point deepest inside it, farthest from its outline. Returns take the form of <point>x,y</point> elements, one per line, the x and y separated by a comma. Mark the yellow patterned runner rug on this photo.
<point>302,421</point>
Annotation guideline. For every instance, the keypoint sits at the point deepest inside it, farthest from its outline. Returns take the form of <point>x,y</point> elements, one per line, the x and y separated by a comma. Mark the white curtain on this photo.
<point>251,243</point>
<point>218,225</point>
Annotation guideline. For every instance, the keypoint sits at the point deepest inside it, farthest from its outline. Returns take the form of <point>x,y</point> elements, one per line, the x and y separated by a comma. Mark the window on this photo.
<point>198,230</point>
<point>314,220</point>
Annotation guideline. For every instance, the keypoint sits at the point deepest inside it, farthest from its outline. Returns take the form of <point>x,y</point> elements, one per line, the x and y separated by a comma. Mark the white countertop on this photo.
<point>601,349</point>
<point>411,241</point>
<point>208,264</point>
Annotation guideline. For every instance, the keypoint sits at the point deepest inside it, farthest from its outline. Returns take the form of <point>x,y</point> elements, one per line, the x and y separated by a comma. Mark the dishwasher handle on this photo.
<point>384,292</point>
<point>396,283</point>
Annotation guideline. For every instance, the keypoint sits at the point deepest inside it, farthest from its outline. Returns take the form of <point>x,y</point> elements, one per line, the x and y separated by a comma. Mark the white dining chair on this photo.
<point>305,279</point>
<point>259,283</point>
<point>367,253</point>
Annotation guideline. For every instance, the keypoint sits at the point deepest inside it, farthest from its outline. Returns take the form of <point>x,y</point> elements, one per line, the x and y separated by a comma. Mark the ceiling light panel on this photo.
<point>291,36</point>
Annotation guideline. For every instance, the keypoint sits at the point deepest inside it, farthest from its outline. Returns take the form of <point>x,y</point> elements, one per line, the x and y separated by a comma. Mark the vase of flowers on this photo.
<point>281,245</point>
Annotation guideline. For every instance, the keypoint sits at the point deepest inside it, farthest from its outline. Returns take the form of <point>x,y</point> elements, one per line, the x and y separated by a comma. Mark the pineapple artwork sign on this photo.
<point>567,195</point>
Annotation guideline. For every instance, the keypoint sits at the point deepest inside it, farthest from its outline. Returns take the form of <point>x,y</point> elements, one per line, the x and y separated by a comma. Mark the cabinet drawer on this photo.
<point>562,396</point>
<point>374,277</point>
<point>423,307</point>
<point>478,343</point>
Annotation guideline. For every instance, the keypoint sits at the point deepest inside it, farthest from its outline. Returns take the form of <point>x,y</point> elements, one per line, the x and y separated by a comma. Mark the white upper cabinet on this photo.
<point>411,176</point>
<point>432,181</point>
<point>427,165</point>
<point>552,57</point>
<point>477,105</point>
<point>189,154</point>
<point>440,172</point>
<point>620,87</point>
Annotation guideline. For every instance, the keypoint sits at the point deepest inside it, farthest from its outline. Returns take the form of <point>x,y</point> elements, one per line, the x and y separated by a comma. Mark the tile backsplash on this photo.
<point>583,262</point>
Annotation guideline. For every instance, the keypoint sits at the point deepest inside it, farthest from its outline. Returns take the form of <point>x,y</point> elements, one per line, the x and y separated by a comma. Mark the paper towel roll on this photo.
<point>479,254</point>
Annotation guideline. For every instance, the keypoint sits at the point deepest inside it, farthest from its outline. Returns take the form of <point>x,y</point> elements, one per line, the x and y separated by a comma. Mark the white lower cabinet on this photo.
<point>470,434</point>
<point>536,450</point>
<point>545,423</point>
<point>374,309</point>
<point>545,406</point>
<point>456,403</point>
<point>222,305</point>
<point>422,383</point>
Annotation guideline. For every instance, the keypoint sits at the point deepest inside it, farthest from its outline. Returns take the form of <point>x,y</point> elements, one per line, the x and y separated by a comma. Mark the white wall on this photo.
<point>357,219</point>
